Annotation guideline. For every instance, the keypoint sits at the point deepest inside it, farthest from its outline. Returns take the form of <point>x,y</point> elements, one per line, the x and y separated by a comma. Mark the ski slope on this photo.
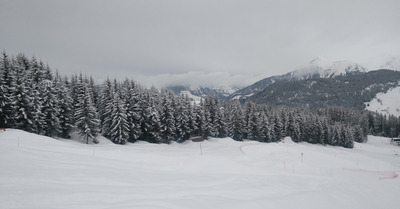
<point>41,172</point>
<point>386,103</point>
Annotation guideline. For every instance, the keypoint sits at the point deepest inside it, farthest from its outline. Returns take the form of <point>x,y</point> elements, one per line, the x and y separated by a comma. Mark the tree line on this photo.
<point>35,99</point>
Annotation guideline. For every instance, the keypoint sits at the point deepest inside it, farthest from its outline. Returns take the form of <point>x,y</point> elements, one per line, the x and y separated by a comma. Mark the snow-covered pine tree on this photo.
<point>3,99</point>
<point>200,119</point>
<point>47,75</point>
<point>346,139</point>
<point>50,108</point>
<point>285,121</point>
<point>74,91</point>
<point>64,101</point>
<point>254,125</point>
<point>207,126</point>
<point>23,109</point>
<point>215,116</point>
<point>220,124</point>
<point>364,125</point>
<point>278,127</point>
<point>39,118</point>
<point>314,130</point>
<point>150,126</point>
<point>294,126</point>
<point>36,71</point>
<point>336,135</point>
<point>86,118</point>
<point>95,91</point>
<point>133,106</point>
<point>193,126</point>
<point>105,107</point>
<point>119,133</point>
<point>249,106</point>
<point>320,134</point>
<point>167,118</point>
<point>6,96</point>
<point>182,119</point>
<point>236,121</point>
<point>266,129</point>
<point>327,131</point>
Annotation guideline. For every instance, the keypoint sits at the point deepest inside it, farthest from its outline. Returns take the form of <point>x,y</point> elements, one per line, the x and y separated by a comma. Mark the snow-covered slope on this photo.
<point>40,172</point>
<point>392,64</point>
<point>201,92</point>
<point>386,103</point>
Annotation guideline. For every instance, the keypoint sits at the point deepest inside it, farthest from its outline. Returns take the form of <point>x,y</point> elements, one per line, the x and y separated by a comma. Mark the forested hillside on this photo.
<point>350,91</point>
<point>35,99</point>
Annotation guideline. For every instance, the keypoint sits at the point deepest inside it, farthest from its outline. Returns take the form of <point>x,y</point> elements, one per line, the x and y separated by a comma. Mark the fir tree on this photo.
<point>119,125</point>
<point>86,118</point>
<point>294,126</point>
<point>254,124</point>
<point>278,128</point>
<point>266,129</point>
<point>150,126</point>
<point>6,96</point>
<point>200,119</point>
<point>207,127</point>
<point>193,126</point>
<point>236,121</point>
<point>50,109</point>
<point>22,108</point>
<point>182,119</point>
<point>105,107</point>
<point>64,101</point>
<point>133,97</point>
<point>167,118</point>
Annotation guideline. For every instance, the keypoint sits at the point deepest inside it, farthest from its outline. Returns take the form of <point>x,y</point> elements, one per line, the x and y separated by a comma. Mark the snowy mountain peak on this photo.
<point>322,67</point>
<point>320,61</point>
<point>392,64</point>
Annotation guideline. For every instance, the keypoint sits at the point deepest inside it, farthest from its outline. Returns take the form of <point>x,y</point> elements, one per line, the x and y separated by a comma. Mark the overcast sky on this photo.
<point>197,42</point>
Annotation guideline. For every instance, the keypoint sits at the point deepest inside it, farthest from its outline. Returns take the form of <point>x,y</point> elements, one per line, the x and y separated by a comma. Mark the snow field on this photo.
<point>41,172</point>
<point>386,103</point>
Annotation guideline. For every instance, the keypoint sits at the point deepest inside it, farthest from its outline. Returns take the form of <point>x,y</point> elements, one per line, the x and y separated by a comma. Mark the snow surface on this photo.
<point>386,103</point>
<point>41,172</point>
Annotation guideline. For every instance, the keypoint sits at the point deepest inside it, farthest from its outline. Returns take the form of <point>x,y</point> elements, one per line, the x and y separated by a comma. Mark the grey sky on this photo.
<point>201,42</point>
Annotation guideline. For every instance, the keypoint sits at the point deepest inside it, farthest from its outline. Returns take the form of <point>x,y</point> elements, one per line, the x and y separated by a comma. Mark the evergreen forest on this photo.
<point>36,99</point>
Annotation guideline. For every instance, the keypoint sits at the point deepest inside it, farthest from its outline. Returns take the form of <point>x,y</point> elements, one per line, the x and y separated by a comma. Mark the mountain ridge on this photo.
<point>351,91</point>
<point>317,68</point>
<point>392,64</point>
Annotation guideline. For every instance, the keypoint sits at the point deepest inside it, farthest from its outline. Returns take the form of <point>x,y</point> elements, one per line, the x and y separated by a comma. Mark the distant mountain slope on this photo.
<point>386,103</point>
<point>352,90</point>
<point>201,92</point>
<point>392,64</point>
<point>317,68</point>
